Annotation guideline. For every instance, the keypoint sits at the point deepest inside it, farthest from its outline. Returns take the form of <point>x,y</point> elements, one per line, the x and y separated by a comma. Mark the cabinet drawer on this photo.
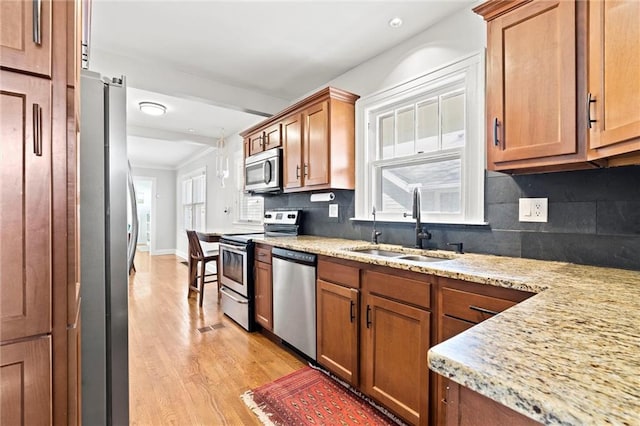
<point>470,306</point>
<point>407,290</point>
<point>339,274</point>
<point>263,254</point>
<point>453,326</point>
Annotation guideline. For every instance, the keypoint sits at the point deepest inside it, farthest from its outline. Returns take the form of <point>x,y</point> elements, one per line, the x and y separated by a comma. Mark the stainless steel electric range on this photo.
<point>236,264</point>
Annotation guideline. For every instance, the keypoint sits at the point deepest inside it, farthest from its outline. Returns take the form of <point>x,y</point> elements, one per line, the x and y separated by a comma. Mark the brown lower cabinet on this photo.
<point>263,291</point>
<point>468,408</point>
<point>374,328</point>
<point>462,305</point>
<point>25,382</point>
<point>338,310</point>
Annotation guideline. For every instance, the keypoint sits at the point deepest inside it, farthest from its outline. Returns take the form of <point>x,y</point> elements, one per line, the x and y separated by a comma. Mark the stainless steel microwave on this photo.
<point>263,171</point>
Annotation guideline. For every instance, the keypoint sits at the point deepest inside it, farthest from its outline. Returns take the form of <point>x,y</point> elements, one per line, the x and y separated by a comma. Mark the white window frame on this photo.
<point>470,70</point>
<point>191,200</point>
<point>243,197</point>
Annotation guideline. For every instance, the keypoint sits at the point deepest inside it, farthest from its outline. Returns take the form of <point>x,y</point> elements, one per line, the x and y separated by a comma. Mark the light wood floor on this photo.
<point>180,376</point>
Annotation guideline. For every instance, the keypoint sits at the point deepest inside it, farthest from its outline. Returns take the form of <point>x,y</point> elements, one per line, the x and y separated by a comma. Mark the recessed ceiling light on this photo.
<point>191,130</point>
<point>395,22</point>
<point>152,108</point>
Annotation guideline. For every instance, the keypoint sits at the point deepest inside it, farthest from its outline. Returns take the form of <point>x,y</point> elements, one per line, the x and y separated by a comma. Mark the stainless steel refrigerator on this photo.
<point>103,250</point>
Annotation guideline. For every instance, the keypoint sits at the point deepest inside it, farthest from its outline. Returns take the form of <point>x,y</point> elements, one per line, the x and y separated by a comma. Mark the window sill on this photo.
<point>413,222</point>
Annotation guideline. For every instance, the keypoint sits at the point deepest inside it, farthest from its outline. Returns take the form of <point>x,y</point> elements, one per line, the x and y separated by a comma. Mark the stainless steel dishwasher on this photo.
<point>294,299</point>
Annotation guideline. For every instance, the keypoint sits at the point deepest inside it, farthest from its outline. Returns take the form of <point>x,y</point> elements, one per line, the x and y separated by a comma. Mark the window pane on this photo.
<point>453,120</point>
<point>427,126</point>
<point>439,183</point>
<point>406,126</point>
<point>386,130</point>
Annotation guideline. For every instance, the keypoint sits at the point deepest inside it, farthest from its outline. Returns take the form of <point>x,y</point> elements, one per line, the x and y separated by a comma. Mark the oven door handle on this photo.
<point>235,299</point>
<point>233,249</point>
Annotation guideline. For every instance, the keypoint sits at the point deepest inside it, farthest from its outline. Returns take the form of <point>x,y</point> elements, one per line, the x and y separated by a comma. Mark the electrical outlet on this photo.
<point>533,209</point>
<point>333,210</point>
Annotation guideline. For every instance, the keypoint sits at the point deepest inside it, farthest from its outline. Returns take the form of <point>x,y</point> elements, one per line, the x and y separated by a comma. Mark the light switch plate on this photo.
<point>533,209</point>
<point>333,210</point>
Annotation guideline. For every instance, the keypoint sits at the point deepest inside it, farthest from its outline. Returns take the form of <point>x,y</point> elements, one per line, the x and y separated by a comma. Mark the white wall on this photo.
<point>165,198</point>
<point>221,201</point>
<point>459,35</point>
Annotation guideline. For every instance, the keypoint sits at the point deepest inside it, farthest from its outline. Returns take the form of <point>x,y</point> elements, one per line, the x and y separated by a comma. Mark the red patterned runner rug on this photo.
<point>310,397</point>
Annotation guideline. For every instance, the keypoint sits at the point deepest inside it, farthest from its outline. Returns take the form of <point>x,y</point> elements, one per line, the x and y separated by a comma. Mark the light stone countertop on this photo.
<point>568,356</point>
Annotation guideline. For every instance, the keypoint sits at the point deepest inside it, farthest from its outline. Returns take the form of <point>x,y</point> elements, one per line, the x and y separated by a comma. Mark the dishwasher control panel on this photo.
<point>296,256</point>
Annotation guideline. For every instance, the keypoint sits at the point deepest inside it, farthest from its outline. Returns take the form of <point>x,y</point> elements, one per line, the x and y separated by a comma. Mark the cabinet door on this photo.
<point>468,408</point>
<point>264,295</point>
<point>25,382</point>
<point>396,340</point>
<point>338,330</point>
<point>74,369</point>
<point>25,203</point>
<point>25,36</point>
<point>531,83</point>
<point>292,144</point>
<point>316,145</point>
<point>272,137</point>
<point>256,143</point>
<point>614,74</point>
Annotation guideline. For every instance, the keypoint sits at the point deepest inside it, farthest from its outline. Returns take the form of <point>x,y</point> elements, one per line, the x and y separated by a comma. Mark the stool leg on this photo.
<point>203,267</point>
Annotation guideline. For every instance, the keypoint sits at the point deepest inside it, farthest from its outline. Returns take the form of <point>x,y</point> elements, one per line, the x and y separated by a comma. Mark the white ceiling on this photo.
<point>264,54</point>
<point>160,153</point>
<point>186,115</point>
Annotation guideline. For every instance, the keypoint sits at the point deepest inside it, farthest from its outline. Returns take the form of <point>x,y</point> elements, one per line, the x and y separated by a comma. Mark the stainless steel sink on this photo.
<point>399,255</point>
<point>418,258</point>
<point>378,252</point>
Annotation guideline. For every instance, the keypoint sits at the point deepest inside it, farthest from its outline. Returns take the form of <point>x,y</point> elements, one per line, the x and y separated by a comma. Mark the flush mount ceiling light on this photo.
<point>152,108</point>
<point>395,22</point>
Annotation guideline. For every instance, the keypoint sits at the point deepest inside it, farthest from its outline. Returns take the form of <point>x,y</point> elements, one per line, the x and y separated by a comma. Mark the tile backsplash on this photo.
<point>594,218</point>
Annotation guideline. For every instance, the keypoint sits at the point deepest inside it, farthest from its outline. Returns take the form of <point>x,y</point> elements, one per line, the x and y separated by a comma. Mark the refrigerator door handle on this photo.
<point>133,241</point>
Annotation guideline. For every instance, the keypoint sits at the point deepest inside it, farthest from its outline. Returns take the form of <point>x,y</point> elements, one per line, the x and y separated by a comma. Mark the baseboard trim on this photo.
<point>181,254</point>
<point>162,252</point>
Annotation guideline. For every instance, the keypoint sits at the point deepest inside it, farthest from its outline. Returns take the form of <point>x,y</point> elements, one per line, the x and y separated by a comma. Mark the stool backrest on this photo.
<point>195,249</point>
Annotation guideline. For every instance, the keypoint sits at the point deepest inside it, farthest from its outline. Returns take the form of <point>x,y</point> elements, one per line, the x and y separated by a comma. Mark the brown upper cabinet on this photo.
<point>318,139</point>
<point>540,70</point>
<point>25,36</point>
<point>265,139</point>
<point>614,77</point>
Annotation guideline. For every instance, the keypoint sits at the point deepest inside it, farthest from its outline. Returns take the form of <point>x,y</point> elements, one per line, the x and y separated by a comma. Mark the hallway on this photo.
<point>180,376</point>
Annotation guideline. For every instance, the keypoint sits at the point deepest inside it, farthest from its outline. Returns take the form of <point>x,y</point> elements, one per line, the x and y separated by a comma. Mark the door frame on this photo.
<point>152,243</point>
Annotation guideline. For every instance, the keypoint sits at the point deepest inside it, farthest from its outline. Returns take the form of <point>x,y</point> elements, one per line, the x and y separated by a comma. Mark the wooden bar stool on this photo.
<point>197,281</point>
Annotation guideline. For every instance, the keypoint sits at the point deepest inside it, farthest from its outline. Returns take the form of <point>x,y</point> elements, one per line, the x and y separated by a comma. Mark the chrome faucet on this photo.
<point>374,234</point>
<point>421,234</point>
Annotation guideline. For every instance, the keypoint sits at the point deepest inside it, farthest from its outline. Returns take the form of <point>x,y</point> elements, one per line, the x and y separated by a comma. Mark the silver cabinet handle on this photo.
<point>590,101</point>
<point>37,130</point>
<point>235,299</point>
<point>37,21</point>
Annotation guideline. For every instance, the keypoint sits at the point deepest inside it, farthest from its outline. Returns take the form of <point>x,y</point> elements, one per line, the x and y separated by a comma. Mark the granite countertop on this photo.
<point>568,355</point>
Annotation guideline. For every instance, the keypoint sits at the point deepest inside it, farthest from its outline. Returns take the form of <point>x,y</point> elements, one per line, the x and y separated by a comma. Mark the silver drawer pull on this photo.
<point>235,299</point>
<point>483,310</point>
<point>37,21</point>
